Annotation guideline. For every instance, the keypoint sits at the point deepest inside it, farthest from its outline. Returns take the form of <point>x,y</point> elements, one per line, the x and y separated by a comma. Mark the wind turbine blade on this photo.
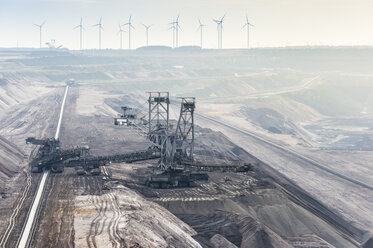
<point>200,23</point>
<point>247,19</point>
<point>223,18</point>
<point>76,27</point>
<point>100,20</point>
<point>43,23</point>
<point>244,25</point>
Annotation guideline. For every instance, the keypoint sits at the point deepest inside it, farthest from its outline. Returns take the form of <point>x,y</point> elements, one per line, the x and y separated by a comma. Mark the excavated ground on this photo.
<point>253,209</point>
<point>258,208</point>
<point>86,211</point>
<point>34,118</point>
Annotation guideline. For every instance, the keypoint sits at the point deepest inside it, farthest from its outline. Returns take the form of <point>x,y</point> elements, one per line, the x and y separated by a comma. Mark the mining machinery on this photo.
<point>177,151</point>
<point>176,145</point>
<point>91,164</point>
<point>51,156</point>
<point>125,118</point>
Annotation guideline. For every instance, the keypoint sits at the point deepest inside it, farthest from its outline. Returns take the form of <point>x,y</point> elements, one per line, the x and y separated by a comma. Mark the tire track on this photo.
<point>17,209</point>
<point>108,215</point>
<point>113,227</point>
<point>114,221</point>
<point>91,241</point>
<point>97,225</point>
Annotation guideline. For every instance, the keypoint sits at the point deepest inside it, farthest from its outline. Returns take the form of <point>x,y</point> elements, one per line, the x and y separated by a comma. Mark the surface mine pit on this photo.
<point>236,192</point>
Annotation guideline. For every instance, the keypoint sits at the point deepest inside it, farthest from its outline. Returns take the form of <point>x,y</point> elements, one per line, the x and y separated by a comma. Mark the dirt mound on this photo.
<point>223,229</point>
<point>255,234</point>
<point>268,119</point>
<point>219,241</point>
<point>368,243</point>
<point>17,88</point>
<point>129,218</point>
<point>207,226</point>
<point>10,159</point>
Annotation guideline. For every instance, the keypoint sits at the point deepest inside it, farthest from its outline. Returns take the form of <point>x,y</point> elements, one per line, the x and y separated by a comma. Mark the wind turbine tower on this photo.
<point>220,31</point>
<point>129,23</point>
<point>147,33</point>
<point>99,25</point>
<point>173,33</point>
<point>40,29</point>
<point>120,32</point>
<point>248,24</point>
<point>201,28</point>
<point>80,26</point>
<point>177,27</point>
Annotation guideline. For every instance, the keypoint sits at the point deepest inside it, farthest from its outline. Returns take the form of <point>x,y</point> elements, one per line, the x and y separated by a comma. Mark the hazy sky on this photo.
<point>277,22</point>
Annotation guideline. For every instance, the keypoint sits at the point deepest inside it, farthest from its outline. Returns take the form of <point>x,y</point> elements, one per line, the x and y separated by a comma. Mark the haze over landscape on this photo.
<point>277,23</point>
<point>184,146</point>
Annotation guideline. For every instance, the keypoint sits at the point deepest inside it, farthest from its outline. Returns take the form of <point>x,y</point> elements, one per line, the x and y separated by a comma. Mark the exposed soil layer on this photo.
<point>35,116</point>
<point>90,211</point>
<point>259,208</point>
<point>253,210</point>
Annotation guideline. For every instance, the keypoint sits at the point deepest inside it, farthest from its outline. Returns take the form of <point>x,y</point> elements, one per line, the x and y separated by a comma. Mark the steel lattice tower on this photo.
<point>184,133</point>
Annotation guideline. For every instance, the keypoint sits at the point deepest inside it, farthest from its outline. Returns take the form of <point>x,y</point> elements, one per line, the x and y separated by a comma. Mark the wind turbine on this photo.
<point>40,28</point>
<point>201,28</point>
<point>80,26</point>
<point>99,25</point>
<point>129,23</point>
<point>147,33</point>
<point>176,27</point>
<point>173,33</point>
<point>120,33</point>
<point>248,24</point>
<point>220,31</point>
